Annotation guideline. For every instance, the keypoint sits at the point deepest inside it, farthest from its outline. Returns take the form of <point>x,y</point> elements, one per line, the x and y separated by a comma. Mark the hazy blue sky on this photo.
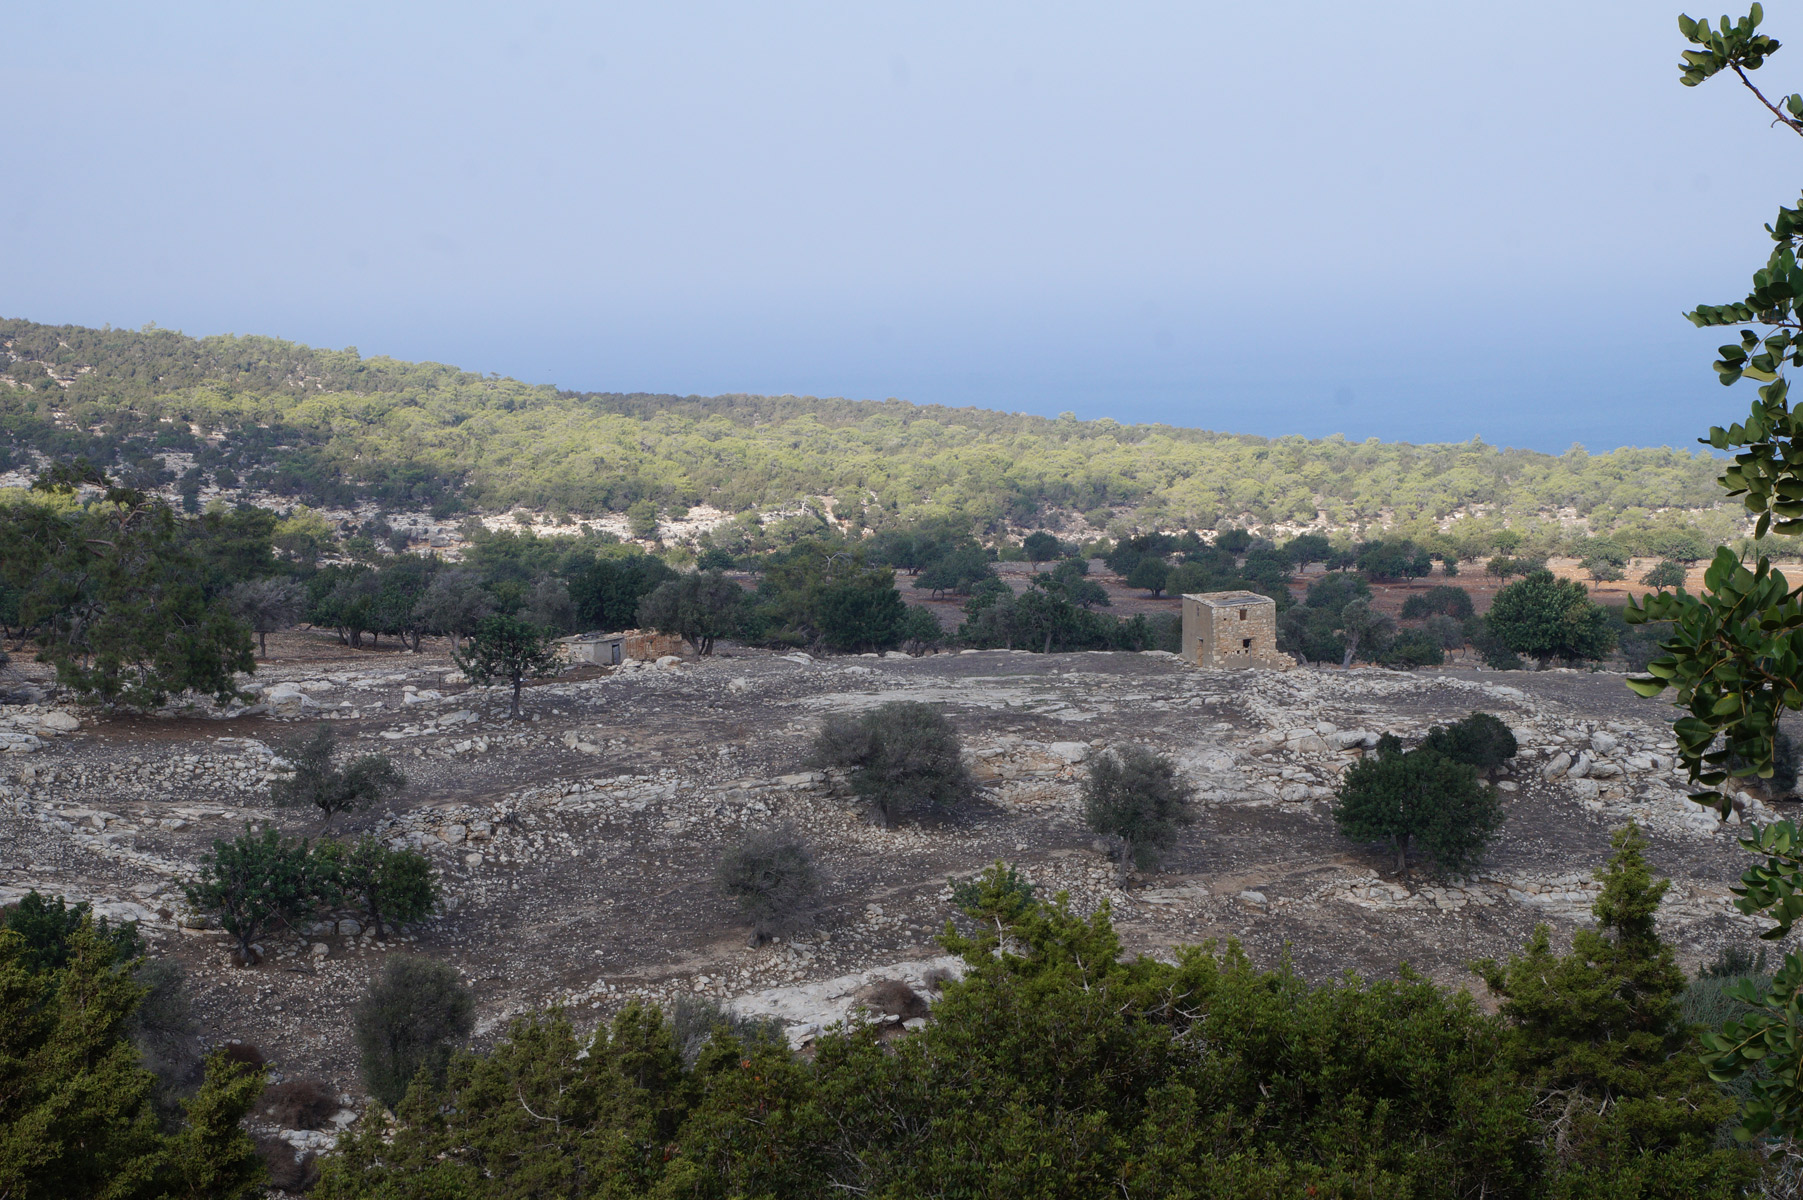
<point>1418,221</point>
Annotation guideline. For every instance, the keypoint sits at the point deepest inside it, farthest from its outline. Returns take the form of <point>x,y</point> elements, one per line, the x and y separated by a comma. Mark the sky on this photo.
<point>1421,222</point>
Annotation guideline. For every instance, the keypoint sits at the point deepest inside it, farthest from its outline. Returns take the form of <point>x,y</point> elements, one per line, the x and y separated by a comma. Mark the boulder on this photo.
<point>1070,752</point>
<point>58,721</point>
<point>1603,743</point>
<point>12,742</point>
<point>1581,768</point>
<point>1560,764</point>
<point>669,661</point>
<point>286,700</point>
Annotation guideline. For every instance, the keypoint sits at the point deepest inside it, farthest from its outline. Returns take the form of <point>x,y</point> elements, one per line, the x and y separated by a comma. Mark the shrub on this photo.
<point>1480,740</point>
<point>1412,648</point>
<point>904,757</point>
<point>257,881</point>
<point>246,1054</point>
<point>1418,800</point>
<point>1733,961</point>
<point>697,608</point>
<point>1449,601</point>
<point>695,1021</point>
<point>392,884</point>
<point>289,1170</point>
<point>893,998</point>
<point>304,1103</point>
<point>1134,797</point>
<point>1000,890</point>
<point>49,924</point>
<point>163,1029</point>
<point>407,1023</point>
<point>314,781</point>
<point>772,879</point>
<point>1667,574</point>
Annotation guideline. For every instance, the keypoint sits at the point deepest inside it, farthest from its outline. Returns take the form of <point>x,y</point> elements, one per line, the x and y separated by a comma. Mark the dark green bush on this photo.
<point>1454,602</point>
<point>905,759</point>
<point>1479,740</point>
<point>408,1023</point>
<point>1412,648</point>
<point>1134,797</point>
<point>1418,800</point>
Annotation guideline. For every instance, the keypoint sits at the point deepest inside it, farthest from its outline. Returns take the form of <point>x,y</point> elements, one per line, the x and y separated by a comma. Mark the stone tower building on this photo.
<point>1231,629</point>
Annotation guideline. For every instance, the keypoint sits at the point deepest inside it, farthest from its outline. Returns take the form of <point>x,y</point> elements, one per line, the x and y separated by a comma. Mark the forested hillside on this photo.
<point>331,427</point>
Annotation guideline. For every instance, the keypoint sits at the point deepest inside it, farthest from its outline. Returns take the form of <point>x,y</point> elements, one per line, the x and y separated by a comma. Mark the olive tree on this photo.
<point>1134,797</point>
<point>267,606</point>
<point>904,757</point>
<point>408,1022</point>
<point>313,779</point>
<point>698,608</point>
<point>509,650</point>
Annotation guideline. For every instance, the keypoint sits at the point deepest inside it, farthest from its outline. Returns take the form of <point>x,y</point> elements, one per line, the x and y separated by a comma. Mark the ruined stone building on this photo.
<point>1231,629</point>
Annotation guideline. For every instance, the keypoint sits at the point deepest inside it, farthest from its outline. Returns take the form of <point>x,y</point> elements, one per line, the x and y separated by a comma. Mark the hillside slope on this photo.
<point>330,427</point>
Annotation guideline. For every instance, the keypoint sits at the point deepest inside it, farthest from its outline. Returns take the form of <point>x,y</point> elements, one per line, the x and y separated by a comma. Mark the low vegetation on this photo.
<point>772,880</point>
<point>1134,798</point>
<point>1418,801</point>
<point>313,780</point>
<point>1055,1066</point>
<point>904,760</point>
<point>415,1015</point>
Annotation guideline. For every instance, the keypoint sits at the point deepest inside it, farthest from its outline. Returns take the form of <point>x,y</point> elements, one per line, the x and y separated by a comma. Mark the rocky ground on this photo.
<point>577,845</point>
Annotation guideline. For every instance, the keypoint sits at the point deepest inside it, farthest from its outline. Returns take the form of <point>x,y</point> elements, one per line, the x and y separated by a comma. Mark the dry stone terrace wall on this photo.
<point>576,847</point>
